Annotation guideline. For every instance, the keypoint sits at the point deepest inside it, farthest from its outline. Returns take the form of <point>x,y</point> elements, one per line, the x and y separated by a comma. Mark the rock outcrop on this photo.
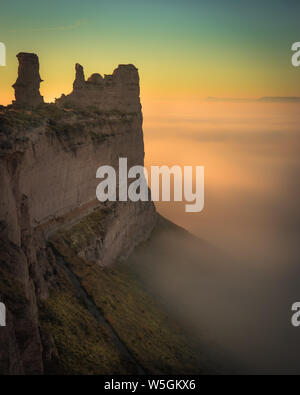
<point>117,92</point>
<point>48,162</point>
<point>27,86</point>
<point>79,82</point>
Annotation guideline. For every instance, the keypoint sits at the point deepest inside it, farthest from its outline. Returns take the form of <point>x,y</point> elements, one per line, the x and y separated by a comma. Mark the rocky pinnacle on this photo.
<point>27,86</point>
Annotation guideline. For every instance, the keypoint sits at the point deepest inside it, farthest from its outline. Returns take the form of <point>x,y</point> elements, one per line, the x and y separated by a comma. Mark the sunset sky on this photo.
<point>183,48</point>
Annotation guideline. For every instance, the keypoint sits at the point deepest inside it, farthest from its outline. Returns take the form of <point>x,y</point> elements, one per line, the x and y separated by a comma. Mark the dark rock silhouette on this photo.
<point>79,79</point>
<point>27,86</point>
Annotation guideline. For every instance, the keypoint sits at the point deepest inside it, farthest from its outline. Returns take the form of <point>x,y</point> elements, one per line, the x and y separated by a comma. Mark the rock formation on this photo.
<point>117,92</point>
<point>48,164</point>
<point>27,86</point>
<point>79,82</point>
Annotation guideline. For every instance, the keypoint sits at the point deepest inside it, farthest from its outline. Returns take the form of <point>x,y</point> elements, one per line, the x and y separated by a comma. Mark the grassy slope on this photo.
<point>149,334</point>
<point>83,345</point>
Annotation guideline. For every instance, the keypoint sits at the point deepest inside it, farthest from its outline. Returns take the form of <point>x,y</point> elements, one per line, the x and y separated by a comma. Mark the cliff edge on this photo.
<point>49,154</point>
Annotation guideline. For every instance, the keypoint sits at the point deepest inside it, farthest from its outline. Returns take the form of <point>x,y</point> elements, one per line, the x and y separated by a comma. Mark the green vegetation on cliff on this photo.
<point>150,336</point>
<point>83,345</point>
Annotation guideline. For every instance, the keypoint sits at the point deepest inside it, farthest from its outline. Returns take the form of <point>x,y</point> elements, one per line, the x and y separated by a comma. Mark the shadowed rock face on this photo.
<point>27,86</point>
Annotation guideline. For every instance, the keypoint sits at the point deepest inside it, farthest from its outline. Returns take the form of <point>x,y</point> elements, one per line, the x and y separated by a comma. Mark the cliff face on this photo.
<point>48,161</point>
<point>49,173</point>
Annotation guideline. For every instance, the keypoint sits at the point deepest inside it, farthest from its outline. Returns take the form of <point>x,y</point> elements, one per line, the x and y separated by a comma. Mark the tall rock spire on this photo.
<point>79,78</point>
<point>27,86</point>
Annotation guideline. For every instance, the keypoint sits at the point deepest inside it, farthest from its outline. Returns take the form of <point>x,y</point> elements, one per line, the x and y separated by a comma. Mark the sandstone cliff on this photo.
<point>49,154</point>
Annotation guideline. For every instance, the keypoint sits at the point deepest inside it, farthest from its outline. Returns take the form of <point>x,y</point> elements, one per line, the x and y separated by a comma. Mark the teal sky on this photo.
<point>184,48</point>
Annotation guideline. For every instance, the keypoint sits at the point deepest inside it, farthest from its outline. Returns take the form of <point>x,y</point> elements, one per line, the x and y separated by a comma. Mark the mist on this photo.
<point>233,285</point>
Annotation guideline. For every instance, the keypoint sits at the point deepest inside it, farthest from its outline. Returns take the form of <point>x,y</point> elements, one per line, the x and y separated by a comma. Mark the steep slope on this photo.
<point>153,340</point>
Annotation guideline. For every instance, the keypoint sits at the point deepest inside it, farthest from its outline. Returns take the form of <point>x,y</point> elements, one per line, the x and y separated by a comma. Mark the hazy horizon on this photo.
<point>187,50</point>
